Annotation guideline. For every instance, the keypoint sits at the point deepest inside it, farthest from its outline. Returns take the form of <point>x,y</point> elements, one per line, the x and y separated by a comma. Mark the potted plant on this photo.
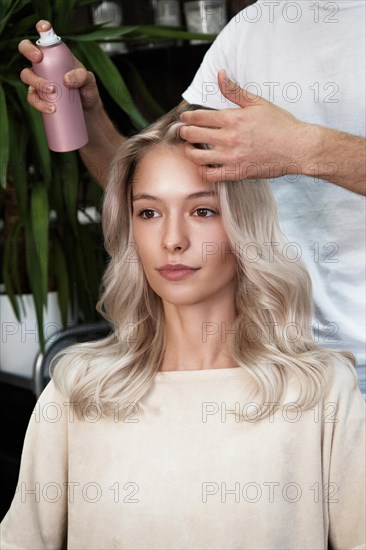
<point>44,196</point>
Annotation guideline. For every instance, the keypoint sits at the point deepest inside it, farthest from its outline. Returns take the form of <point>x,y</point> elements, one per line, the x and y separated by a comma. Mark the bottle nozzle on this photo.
<point>48,38</point>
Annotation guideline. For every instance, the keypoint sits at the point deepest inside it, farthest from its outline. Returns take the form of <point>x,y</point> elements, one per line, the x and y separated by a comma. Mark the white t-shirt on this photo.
<point>189,475</point>
<point>309,58</point>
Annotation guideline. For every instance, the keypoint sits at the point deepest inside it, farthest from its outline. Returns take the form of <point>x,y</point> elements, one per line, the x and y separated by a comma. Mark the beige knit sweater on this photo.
<point>190,475</point>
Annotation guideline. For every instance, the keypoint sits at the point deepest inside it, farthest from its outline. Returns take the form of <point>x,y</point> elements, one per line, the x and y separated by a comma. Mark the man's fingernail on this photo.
<point>50,88</point>
<point>50,108</point>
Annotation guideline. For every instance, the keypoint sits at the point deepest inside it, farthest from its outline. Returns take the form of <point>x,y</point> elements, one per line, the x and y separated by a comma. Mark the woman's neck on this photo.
<point>197,337</point>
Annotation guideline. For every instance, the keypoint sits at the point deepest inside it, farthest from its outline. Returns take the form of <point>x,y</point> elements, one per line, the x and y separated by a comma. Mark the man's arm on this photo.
<point>262,140</point>
<point>104,139</point>
<point>336,157</point>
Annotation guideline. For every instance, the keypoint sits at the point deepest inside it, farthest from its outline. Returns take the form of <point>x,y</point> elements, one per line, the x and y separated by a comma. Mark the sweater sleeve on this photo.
<point>37,517</point>
<point>345,492</point>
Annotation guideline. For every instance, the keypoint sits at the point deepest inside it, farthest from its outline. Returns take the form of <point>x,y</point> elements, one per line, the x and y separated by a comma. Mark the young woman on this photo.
<point>209,418</point>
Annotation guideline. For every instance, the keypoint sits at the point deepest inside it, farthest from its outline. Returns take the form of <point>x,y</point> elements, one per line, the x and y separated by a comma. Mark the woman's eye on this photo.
<point>205,212</point>
<point>147,214</point>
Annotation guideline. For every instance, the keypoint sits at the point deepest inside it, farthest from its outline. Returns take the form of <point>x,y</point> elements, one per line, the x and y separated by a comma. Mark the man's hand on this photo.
<point>260,140</point>
<point>79,77</point>
<point>104,139</point>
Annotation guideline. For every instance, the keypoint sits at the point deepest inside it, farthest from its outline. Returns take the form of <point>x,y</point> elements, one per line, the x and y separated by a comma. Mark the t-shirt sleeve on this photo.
<point>347,481</point>
<point>222,54</point>
<point>37,517</point>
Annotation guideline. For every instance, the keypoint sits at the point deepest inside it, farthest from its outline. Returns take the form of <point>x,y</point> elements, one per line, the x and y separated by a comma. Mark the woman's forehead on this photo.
<point>166,167</point>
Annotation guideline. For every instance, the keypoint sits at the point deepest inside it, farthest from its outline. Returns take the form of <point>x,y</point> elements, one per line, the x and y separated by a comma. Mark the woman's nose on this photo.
<point>175,237</point>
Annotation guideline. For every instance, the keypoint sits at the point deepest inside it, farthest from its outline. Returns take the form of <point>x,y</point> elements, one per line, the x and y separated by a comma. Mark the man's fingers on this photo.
<point>38,103</point>
<point>38,90</point>
<point>30,51</point>
<point>202,156</point>
<point>215,166</point>
<point>85,81</point>
<point>195,134</point>
<point>40,84</point>
<point>232,91</point>
<point>210,119</point>
<point>77,78</point>
<point>43,25</point>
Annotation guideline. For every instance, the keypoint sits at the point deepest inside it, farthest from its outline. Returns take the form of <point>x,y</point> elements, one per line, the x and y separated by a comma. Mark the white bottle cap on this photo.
<point>48,38</point>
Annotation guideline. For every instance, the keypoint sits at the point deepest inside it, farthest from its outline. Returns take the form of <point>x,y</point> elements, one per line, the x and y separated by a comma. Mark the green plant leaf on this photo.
<point>85,3</point>
<point>142,90</point>
<point>37,132</point>
<point>63,291</point>
<point>17,160</point>
<point>39,226</point>
<point>87,268</point>
<point>55,196</point>
<point>4,138</point>
<point>42,9</point>
<point>10,270</point>
<point>25,24</point>
<point>81,277</point>
<point>100,63</point>
<point>89,244</point>
<point>14,265</point>
<point>103,33</point>
<point>63,11</point>
<point>34,276</point>
<point>159,31</point>
<point>69,172</point>
<point>8,9</point>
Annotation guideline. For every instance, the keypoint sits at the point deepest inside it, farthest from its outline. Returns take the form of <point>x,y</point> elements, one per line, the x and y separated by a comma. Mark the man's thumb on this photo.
<point>232,91</point>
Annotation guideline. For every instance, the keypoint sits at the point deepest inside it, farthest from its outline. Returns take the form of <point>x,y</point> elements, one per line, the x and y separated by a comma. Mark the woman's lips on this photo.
<point>177,272</point>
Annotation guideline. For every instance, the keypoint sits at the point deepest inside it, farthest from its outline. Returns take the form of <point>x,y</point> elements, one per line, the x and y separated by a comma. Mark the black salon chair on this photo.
<point>84,332</point>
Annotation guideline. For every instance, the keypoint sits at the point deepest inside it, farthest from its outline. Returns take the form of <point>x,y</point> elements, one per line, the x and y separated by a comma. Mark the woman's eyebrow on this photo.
<point>198,195</point>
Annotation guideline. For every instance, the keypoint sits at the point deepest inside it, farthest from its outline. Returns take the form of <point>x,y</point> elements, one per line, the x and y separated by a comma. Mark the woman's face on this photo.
<point>178,230</point>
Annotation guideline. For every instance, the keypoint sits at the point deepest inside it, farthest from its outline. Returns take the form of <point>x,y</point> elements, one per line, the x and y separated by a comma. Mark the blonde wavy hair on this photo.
<point>273,339</point>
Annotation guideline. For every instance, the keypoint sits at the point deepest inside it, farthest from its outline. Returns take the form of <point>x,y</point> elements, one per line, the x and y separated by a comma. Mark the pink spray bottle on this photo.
<point>65,128</point>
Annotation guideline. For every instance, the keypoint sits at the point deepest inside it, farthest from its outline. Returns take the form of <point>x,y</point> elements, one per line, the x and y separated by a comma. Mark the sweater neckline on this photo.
<point>201,373</point>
